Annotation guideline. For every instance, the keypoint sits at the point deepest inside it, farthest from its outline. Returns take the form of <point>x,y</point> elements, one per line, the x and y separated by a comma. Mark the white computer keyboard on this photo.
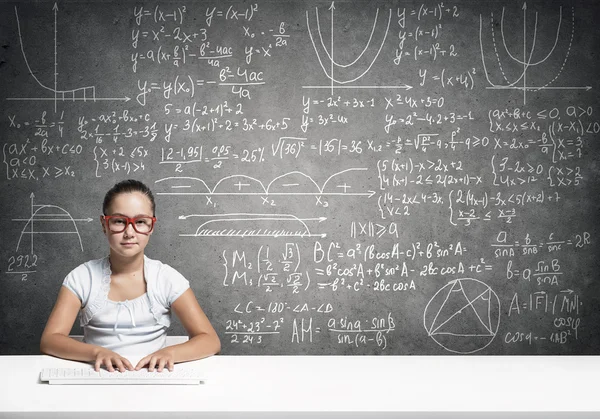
<point>143,376</point>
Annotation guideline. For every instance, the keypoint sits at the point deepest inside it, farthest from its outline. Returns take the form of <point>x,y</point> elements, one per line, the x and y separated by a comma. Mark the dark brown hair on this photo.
<point>127,186</point>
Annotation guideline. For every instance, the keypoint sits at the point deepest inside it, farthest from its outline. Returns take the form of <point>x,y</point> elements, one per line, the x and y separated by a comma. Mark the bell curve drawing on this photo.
<point>343,75</point>
<point>529,60</point>
<point>463,316</point>
<point>48,220</point>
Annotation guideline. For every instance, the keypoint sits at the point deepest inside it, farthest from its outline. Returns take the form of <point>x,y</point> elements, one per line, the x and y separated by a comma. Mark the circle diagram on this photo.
<point>463,316</point>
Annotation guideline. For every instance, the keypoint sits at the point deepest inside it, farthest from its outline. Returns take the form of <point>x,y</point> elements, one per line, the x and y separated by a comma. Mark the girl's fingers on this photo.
<point>152,363</point>
<point>112,360</point>
<point>161,364</point>
<point>141,363</point>
<point>108,363</point>
<point>127,364</point>
<point>119,364</point>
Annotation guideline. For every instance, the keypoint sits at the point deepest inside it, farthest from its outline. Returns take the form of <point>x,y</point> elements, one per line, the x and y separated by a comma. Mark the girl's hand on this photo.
<point>159,359</point>
<point>109,358</point>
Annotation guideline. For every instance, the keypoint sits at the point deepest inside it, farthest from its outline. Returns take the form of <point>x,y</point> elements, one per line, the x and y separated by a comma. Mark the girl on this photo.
<point>125,299</point>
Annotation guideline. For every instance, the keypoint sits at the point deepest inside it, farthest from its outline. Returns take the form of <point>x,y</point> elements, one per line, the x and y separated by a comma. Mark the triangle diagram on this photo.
<point>459,316</point>
<point>482,306</point>
<point>452,301</point>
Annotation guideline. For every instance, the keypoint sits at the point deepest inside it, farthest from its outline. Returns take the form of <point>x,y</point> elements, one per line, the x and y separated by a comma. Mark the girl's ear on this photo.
<point>102,224</point>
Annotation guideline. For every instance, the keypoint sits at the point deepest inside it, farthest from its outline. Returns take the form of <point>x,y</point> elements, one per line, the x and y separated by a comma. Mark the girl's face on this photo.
<point>129,242</point>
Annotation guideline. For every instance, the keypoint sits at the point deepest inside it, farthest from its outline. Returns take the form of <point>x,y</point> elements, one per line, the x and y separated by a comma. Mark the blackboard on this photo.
<point>348,177</point>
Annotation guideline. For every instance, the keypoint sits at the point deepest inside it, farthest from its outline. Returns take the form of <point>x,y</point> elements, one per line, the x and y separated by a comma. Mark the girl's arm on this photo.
<point>203,340</point>
<point>55,337</point>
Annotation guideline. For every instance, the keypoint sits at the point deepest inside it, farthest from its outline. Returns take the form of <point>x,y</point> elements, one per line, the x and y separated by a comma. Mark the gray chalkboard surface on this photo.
<point>366,177</point>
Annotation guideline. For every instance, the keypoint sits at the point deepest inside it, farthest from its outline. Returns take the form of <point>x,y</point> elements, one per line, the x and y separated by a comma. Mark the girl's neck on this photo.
<point>123,265</point>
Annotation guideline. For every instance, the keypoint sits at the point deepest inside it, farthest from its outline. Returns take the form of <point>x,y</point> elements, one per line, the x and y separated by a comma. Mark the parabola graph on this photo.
<point>528,59</point>
<point>343,75</point>
<point>85,93</point>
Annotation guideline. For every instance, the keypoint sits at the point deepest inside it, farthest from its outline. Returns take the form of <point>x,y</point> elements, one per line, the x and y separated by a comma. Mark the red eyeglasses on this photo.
<point>119,223</point>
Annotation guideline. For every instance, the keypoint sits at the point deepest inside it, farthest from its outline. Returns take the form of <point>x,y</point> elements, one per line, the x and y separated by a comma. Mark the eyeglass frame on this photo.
<point>130,220</point>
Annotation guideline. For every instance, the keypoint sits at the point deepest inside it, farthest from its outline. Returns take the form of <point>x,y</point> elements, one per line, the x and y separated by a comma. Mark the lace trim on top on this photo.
<point>101,298</point>
<point>155,307</point>
<point>99,302</point>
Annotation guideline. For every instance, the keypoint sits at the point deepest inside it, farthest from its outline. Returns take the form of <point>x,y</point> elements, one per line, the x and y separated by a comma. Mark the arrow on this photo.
<point>302,235</point>
<point>32,196</point>
<point>87,220</point>
<point>369,194</point>
<point>185,217</point>
<point>542,87</point>
<point>51,232</point>
<point>402,86</point>
<point>55,8</point>
<point>125,99</point>
<point>524,52</point>
<point>332,8</point>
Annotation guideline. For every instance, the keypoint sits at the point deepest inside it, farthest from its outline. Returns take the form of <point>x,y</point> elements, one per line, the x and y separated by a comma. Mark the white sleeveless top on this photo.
<point>131,328</point>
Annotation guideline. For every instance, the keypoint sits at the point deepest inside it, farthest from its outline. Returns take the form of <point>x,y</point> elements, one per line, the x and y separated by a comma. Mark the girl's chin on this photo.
<point>127,250</point>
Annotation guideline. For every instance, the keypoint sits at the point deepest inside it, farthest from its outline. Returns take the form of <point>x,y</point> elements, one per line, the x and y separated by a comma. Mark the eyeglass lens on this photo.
<point>119,224</point>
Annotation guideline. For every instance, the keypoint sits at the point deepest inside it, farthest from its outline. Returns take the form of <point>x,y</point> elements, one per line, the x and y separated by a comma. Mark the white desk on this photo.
<point>323,386</point>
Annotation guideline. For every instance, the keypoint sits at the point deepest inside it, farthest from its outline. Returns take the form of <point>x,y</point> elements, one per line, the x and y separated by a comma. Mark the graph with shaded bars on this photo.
<point>463,316</point>
<point>78,94</point>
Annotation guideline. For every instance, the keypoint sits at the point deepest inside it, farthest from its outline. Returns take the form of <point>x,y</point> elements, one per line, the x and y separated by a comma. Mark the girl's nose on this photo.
<point>129,229</point>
